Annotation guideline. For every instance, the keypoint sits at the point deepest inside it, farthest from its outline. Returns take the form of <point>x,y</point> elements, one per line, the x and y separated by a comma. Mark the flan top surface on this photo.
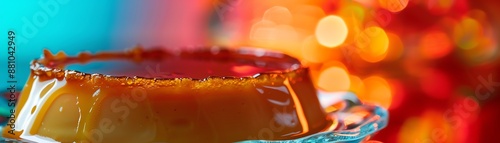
<point>140,66</point>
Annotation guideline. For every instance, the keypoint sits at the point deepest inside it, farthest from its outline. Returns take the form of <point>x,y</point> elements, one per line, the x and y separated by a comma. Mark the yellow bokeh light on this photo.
<point>331,31</point>
<point>334,79</point>
<point>414,129</point>
<point>357,85</point>
<point>333,63</point>
<point>378,91</point>
<point>373,44</point>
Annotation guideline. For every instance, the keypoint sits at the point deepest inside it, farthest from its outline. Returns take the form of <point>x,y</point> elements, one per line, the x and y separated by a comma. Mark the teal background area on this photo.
<point>74,26</point>
<point>70,25</point>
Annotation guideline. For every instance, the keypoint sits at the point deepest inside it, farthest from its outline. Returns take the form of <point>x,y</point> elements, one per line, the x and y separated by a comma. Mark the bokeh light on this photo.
<point>279,15</point>
<point>306,17</point>
<point>374,44</point>
<point>395,49</point>
<point>353,15</point>
<point>334,78</point>
<point>331,31</point>
<point>417,129</point>
<point>467,33</point>
<point>399,93</point>
<point>377,90</point>
<point>393,5</point>
<point>439,6</point>
<point>313,52</point>
<point>435,44</point>
<point>357,86</point>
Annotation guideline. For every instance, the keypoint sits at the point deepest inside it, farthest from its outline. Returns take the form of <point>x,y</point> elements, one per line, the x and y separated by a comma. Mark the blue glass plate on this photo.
<point>355,121</point>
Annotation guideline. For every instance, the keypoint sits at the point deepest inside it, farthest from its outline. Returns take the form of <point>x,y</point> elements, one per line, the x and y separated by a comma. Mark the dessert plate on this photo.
<point>355,121</point>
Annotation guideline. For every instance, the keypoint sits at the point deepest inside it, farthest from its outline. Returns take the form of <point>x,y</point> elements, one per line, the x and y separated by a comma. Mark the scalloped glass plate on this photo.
<point>356,121</point>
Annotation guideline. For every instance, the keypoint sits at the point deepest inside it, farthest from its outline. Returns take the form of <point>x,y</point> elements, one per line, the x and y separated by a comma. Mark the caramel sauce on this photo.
<point>210,95</point>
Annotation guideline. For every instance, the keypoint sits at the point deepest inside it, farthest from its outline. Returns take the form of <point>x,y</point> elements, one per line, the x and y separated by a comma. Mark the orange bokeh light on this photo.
<point>357,85</point>
<point>396,47</point>
<point>429,127</point>
<point>393,5</point>
<point>334,78</point>
<point>435,44</point>
<point>313,52</point>
<point>373,43</point>
<point>378,91</point>
<point>439,6</point>
<point>279,15</point>
<point>306,17</point>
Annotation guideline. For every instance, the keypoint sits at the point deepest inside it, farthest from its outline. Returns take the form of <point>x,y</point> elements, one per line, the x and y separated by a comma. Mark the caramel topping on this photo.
<point>159,68</point>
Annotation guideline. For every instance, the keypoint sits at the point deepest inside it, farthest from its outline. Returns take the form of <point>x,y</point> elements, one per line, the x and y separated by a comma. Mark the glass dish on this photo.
<point>356,121</point>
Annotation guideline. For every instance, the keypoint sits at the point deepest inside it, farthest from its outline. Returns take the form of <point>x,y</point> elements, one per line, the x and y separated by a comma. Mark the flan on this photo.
<point>154,95</point>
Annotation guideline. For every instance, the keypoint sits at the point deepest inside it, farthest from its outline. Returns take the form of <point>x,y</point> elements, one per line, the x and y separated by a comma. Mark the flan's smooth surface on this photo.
<point>71,106</point>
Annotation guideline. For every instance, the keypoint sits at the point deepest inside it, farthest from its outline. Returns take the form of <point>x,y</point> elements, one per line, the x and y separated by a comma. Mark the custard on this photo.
<point>205,95</point>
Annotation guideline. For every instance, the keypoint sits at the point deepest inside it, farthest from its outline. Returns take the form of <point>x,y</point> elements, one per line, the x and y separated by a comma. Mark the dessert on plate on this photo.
<point>152,95</point>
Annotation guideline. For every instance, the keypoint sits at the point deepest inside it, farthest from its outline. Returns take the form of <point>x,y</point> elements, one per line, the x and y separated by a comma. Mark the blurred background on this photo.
<point>434,64</point>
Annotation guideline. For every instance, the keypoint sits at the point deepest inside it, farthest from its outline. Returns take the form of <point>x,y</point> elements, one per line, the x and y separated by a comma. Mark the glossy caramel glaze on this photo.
<point>271,98</point>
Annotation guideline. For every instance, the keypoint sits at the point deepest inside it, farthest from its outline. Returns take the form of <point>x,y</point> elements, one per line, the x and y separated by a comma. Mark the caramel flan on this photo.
<point>154,95</point>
